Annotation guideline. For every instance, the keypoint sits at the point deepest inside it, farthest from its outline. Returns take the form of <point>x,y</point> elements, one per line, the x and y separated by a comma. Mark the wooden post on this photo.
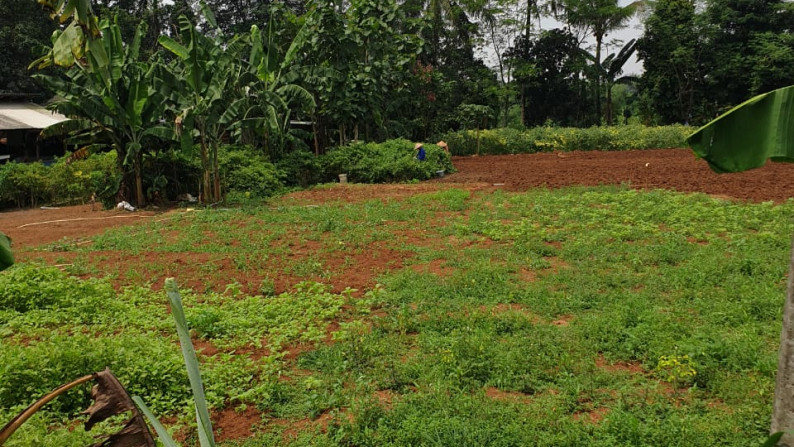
<point>783,409</point>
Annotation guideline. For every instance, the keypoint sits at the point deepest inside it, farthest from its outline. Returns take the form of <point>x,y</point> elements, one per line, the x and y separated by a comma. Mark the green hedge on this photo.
<point>31,184</point>
<point>549,139</point>
<point>245,173</point>
<point>390,161</point>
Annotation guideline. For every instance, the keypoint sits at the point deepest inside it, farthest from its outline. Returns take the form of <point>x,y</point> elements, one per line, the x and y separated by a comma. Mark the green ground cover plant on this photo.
<point>549,139</point>
<point>583,316</point>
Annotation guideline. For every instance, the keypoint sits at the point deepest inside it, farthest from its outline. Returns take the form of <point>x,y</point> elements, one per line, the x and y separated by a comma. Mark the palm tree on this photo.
<point>598,18</point>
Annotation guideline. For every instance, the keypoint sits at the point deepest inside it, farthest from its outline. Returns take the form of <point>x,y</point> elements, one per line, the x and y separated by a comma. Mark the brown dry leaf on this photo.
<point>110,398</point>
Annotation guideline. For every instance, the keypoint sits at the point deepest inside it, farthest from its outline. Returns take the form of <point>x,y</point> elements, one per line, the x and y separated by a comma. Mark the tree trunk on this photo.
<point>598,78</point>
<point>140,198</point>
<point>216,174</point>
<point>783,407</point>
<point>478,140</point>
<point>523,105</point>
<point>609,105</point>
<point>316,137</point>
<point>205,166</point>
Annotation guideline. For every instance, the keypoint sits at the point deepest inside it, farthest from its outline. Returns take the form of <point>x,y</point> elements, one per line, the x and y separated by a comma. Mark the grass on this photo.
<point>583,316</point>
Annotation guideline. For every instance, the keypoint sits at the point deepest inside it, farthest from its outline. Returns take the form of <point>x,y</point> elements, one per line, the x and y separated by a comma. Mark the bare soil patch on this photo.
<point>675,169</point>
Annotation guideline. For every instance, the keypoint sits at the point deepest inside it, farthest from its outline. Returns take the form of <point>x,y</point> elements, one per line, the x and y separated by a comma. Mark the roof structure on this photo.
<point>17,115</point>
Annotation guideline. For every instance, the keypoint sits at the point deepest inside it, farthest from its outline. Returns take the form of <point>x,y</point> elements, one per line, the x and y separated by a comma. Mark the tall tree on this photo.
<point>598,18</point>
<point>671,51</point>
<point>200,84</point>
<point>611,68</point>
<point>25,32</point>
<point>748,40</point>
<point>549,72</point>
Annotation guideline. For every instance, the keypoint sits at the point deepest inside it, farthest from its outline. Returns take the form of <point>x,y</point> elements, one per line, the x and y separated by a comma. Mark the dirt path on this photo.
<point>41,226</point>
<point>676,169</point>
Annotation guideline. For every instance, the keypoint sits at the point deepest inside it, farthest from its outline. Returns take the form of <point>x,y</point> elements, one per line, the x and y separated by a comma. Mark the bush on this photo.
<point>245,170</point>
<point>300,168</point>
<point>30,184</point>
<point>549,139</point>
<point>390,161</point>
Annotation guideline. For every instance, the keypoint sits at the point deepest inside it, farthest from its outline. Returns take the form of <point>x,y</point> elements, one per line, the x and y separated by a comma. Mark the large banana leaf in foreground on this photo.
<point>6,258</point>
<point>748,135</point>
<point>745,137</point>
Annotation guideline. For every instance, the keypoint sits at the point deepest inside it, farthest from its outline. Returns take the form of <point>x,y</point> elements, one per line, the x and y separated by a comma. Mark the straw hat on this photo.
<point>417,146</point>
<point>442,144</point>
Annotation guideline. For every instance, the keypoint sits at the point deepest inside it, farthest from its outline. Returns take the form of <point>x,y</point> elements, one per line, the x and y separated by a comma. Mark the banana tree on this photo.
<point>110,101</point>
<point>6,258</point>
<point>744,138</point>
<point>270,97</point>
<point>76,39</point>
<point>611,67</point>
<point>201,88</point>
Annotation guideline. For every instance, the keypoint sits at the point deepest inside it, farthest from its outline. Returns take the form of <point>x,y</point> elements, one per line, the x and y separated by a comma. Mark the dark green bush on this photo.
<point>245,170</point>
<point>31,184</point>
<point>549,139</point>
<point>390,161</point>
<point>300,168</point>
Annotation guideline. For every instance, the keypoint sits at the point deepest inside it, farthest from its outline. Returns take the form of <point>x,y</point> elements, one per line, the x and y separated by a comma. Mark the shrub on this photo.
<point>30,184</point>
<point>245,170</point>
<point>300,168</point>
<point>548,139</point>
<point>390,161</point>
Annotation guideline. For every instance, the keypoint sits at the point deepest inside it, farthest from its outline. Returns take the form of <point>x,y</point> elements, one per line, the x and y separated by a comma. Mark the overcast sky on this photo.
<point>632,31</point>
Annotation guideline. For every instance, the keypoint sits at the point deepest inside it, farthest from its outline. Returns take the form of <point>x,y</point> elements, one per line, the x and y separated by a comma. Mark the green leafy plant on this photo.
<point>390,161</point>
<point>549,139</point>
<point>679,370</point>
<point>111,398</point>
<point>6,257</point>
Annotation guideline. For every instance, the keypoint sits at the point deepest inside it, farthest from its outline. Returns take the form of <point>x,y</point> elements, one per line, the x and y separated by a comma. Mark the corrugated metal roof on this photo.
<point>27,116</point>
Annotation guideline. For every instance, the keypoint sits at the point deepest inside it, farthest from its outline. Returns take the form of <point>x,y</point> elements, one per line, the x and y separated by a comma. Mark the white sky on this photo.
<point>632,31</point>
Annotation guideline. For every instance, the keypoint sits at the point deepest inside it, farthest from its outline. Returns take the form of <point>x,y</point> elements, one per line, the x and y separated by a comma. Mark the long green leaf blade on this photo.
<point>173,46</point>
<point>162,433</point>
<point>6,257</point>
<point>748,135</point>
<point>191,363</point>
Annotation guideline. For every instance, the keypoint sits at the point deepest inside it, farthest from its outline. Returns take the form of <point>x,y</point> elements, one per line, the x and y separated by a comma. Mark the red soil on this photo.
<point>675,169</point>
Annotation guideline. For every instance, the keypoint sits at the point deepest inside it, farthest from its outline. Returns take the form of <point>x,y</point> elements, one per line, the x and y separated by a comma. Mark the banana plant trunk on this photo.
<point>216,175</point>
<point>140,198</point>
<point>205,167</point>
<point>598,80</point>
<point>783,407</point>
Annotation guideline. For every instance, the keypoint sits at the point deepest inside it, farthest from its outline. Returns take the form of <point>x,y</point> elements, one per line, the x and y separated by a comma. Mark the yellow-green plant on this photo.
<point>679,370</point>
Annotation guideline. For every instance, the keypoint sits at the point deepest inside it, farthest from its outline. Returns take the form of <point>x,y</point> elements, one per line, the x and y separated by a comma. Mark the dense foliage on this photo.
<point>244,172</point>
<point>298,77</point>
<point>392,161</point>
<point>548,139</point>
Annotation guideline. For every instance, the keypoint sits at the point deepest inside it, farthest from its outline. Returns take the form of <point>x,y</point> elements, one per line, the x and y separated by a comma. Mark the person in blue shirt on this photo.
<point>420,152</point>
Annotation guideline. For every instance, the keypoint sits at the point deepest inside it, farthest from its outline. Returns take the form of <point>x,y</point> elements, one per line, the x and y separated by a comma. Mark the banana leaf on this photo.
<point>6,258</point>
<point>760,129</point>
<point>745,137</point>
